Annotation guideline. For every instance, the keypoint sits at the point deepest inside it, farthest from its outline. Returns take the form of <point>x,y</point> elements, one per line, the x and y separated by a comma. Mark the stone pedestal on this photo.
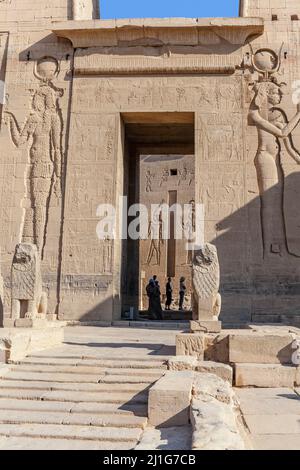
<point>190,344</point>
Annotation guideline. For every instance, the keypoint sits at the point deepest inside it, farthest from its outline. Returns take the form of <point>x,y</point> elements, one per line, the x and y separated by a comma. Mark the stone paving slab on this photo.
<point>272,416</point>
<point>284,402</point>
<point>273,424</point>
<point>277,442</point>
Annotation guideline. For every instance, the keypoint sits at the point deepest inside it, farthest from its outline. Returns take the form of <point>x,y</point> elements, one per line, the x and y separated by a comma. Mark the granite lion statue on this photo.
<point>28,299</point>
<point>206,283</point>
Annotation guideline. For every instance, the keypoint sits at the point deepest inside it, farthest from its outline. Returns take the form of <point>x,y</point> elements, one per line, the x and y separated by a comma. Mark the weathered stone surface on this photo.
<point>15,344</point>
<point>170,398</point>
<point>214,426</point>
<point>264,375</point>
<point>28,301</point>
<point>223,371</point>
<point>166,439</point>
<point>209,385</point>
<point>217,348</point>
<point>206,284</point>
<point>213,415</point>
<point>182,363</point>
<point>206,326</point>
<point>261,348</point>
<point>190,344</point>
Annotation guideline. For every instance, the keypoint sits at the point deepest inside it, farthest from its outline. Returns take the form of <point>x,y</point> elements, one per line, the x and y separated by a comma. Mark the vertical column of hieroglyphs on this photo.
<point>33,134</point>
<point>91,181</point>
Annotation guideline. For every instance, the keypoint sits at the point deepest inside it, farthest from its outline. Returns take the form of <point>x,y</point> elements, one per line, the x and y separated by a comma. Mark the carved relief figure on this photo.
<point>155,233</point>
<point>43,131</point>
<point>165,176</point>
<point>28,299</point>
<point>189,228</point>
<point>273,131</point>
<point>149,178</point>
<point>206,284</point>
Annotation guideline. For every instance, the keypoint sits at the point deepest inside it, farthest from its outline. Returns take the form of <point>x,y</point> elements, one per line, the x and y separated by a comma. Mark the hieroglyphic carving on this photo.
<point>274,139</point>
<point>206,284</point>
<point>164,177</point>
<point>43,131</point>
<point>221,137</point>
<point>224,196</point>
<point>27,296</point>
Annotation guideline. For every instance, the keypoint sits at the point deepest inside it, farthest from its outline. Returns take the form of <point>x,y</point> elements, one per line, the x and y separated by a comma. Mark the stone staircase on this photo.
<point>75,402</point>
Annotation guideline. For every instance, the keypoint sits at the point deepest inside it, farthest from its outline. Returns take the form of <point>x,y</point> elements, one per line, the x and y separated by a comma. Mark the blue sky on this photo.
<point>167,8</point>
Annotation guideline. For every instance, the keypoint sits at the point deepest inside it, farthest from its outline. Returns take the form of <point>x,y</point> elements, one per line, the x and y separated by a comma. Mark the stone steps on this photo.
<point>76,402</point>
<point>87,370</point>
<point>76,387</point>
<point>76,397</point>
<point>111,434</point>
<point>83,419</point>
<point>34,443</point>
<point>70,407</point>
<point>92,359</point>
<point>77,378</point>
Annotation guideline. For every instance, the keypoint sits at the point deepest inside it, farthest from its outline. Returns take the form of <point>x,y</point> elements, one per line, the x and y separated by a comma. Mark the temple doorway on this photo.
<point>159,170</point>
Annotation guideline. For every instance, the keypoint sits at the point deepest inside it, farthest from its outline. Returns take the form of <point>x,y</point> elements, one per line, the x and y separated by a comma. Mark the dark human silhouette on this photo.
<point>169,292</point>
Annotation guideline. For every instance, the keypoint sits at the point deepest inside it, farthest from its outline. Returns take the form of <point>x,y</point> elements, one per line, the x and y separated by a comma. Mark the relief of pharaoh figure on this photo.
<point>274,135</point>
<point>43,131</point>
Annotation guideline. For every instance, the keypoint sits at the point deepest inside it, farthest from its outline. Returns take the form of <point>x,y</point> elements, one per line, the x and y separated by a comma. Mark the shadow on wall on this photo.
<point>259,252</point>
<point>259,262</point>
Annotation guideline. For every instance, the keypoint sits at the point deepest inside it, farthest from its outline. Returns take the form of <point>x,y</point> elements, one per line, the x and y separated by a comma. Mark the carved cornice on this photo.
<point>184,31</point>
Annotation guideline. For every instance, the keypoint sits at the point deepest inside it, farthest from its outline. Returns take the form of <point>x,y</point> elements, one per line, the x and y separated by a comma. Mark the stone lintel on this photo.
<point>89,33</point>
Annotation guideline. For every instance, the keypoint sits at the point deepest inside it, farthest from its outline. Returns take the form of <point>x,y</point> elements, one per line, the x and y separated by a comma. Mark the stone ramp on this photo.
<point>76,402</point>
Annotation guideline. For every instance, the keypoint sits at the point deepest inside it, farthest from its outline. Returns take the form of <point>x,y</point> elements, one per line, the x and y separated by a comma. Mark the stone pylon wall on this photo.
<point>273,190</point>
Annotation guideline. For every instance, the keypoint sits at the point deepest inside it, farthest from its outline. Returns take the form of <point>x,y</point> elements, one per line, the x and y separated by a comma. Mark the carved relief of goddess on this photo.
<point>273,132</point>
<point>43,130</point>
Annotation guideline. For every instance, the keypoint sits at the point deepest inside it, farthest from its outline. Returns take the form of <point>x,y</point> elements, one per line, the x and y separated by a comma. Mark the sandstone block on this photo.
<point>223,371</point>
<point>190,344</point>
<point>170,398</point>
<point>264,375</point>
<point>206,326</point>
<point>182,363</point>
<point>259,348</point>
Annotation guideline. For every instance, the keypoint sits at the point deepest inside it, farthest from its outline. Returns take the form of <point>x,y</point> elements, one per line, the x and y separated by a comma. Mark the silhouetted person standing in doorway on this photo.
<point>182,290</point>
<point>169,292</point>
